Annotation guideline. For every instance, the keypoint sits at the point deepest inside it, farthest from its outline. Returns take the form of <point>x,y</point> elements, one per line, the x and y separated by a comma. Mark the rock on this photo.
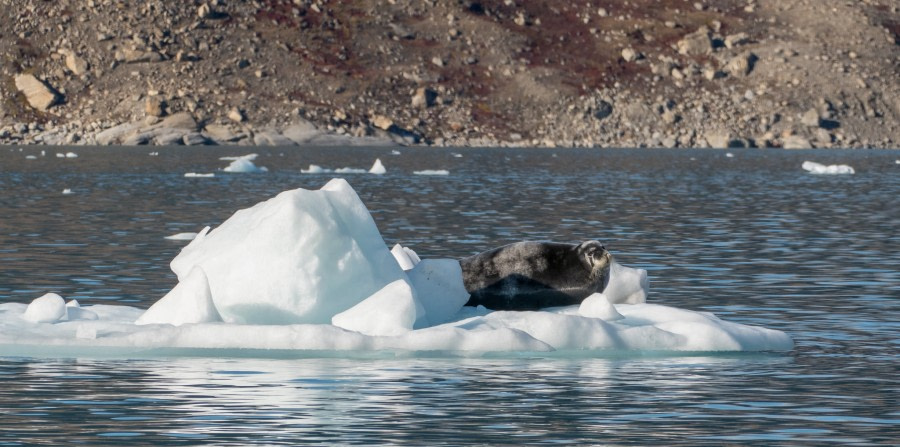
<point>194,139</point>
<point>670,117</point>
<point>220,133</point>
<point>116,134</point>
<point>136,56</point>
<point>424,97</point>
<point>696,43</point>
<point>203,11</point>
<point>711,74</point>
<point>272,138</point>
<point>734,40</point>
<point>301,131</point>
<point>154,106</point>
<point>382,122</point>
<point>795,142</point>
<point>75,64</point>
<point>602,109</point>
<point>180,120</point>
<point>629,55</point>
<point>811,118</point>
<point>39,95</point>
<point>236,115</point>
<point>741,65</point>
<point>720,140</point>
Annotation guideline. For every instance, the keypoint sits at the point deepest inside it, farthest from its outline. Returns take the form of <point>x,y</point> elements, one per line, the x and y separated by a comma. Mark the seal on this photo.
<point>535,275</point>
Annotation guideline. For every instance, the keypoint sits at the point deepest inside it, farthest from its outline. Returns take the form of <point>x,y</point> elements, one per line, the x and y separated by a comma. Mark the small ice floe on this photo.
<point>243,164</point>
<point>153,154</point>
<point>43,153</point>
<point>729,155</point>
<point>250,157</point>
<point>71,155</point>
<point>897,162</point>
<point>31,157</point>
<point>432,172</point>
<point>457,155</point>
<point>395,152</point>
<point>818,168</point>
<point>316,169</point>
<point>350,171</point>
<point>67,191</point>
<point>199,175</point>
<point>60,155</point>
<point>45,309</point>
<point>377,167</point>
<point>188,236</point>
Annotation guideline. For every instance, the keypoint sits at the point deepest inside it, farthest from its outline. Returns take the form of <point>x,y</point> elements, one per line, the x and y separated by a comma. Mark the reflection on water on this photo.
<point>751,238</point>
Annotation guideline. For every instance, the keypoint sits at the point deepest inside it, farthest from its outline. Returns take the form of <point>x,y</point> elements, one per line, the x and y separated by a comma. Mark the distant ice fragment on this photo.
<point>60,155</point>
<point>248,157</point>
<point>189,302</point>
<point>817,168</point>
<point>432,172</point>
<point>71,155</point>
<point>31,157</point>
<point>67,191</point>
<point>377,168</point>
<point>46,309</point>
<point>457,155</point>
<point>153,154</point>
<point>626,285</point>
<point>199,175</point>
<point>188,236</point>
<point>350,171</point>
<point>598,306</point>
<point>388,312</point>
<point>729,155</point>
<point>405,257</point>
<point>244,165</point>
<point>395,152</point>
<point>316,169</point>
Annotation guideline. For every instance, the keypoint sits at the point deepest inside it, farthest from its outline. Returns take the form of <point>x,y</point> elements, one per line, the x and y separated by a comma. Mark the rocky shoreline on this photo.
<point>667,73</point>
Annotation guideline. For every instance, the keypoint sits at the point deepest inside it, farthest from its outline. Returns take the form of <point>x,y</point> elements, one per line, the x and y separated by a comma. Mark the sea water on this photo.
<point>753,238</point>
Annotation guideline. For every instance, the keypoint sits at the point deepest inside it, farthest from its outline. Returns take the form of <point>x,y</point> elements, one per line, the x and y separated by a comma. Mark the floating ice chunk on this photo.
<point>598,306</point>
<point>46,309</point>
<point>153,154</point>
<point>71,155</point>
<point>67,191</point>
<point>248,157</point>
<point>199,175</point>
<point>188,236</point>
<point>316,169</point>
<point>31,157</point>
<point>244,165</point>
<point>377,167</point>
<point>390,311</point>
<point>817,168</point>
<point>189,302</point>
<point>350,171</point>
<point>300,257</point>
<point>626,285</point>
<point>457,155</point>
<point>439,287</point>
<point>60,155</point>
<point>729,155</point>
<point>432,172</point>
<point>395,152</point>
<point>405,257</point>
<point>74,312</point>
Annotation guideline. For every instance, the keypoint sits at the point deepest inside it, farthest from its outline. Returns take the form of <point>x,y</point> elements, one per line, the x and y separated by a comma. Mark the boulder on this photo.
<point>696,43</point>
<point>39,95</point>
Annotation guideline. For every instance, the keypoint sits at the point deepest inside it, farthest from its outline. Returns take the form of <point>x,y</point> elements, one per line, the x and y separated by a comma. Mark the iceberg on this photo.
<point>316,169</point>
<point>244,164</point>
<point>818,168</point>
<point>187,236</point>
<point>432,172</point>
<point>199,175</point>
<point>377,167</point>
<point>307,273</point>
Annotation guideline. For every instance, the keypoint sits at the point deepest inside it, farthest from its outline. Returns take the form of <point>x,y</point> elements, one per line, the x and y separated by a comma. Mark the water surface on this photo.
<point>751,237</point>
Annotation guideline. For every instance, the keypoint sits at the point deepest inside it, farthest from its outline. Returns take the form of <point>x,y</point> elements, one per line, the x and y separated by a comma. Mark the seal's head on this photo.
<point>597,260</point>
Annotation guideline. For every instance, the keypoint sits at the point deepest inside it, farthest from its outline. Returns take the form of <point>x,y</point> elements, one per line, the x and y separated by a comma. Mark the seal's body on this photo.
<point>535,275</point>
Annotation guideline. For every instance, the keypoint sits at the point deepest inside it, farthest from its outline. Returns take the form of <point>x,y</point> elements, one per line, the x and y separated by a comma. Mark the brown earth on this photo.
<point>789,73</point>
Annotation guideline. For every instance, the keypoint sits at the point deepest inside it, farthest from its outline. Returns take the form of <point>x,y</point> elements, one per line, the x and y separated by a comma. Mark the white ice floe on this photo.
<point>346,170</point>
<point>243,164</point>
<point>316,169</point>
<point>187,236</point>
<point>199,175</point>
<point>377,167</point>
<point>308,272</point>
<point>729,155</point>
<point>31,157</point>
<point>818,168</point>
<point>71,155</point>
<point>67,191</point>
<point>60,155</point>
<point>153,154</point>
<point>432,172</point>
<point>395,152</point>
